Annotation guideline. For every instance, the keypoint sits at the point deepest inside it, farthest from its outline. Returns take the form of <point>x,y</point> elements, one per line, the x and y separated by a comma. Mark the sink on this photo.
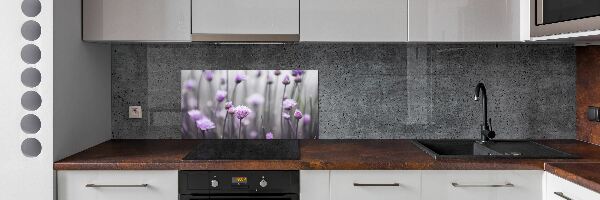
<point>471,149</point>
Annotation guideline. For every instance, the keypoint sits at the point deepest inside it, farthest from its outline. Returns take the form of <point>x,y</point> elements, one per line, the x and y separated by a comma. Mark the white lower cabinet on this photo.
<point>482,185</point>
<point>375,184</point>
<point>560,189</point>
<point>117,185</point>
<point>314,184</point>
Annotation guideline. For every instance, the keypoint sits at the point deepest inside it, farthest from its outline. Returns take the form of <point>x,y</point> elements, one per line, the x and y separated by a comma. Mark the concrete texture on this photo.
<point>369,90</point>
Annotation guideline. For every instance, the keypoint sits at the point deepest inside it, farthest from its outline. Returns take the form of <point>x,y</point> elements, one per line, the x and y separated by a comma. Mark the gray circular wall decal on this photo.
<point>30,124</point>
<point>31,54</point>
<point>31,30</point>
<point>31,8</point>
<point>31,100</point>
<point>31,77</point>
<point>31,147</point>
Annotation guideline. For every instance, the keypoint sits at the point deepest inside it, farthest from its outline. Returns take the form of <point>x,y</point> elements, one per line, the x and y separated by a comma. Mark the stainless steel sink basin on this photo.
<point>471,149</point>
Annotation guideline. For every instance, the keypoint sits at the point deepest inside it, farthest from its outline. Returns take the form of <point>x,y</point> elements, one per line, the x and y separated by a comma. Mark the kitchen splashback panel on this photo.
<point>368,91</point>
<point>249,104</point>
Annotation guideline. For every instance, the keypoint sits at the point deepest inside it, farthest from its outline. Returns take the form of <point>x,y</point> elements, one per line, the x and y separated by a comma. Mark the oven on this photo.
<point>234,185</point>
<point>552,17</point>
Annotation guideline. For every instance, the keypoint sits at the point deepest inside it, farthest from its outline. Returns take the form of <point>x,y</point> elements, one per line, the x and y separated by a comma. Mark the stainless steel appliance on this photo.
<point>232,185</point>
<point>553,17</point>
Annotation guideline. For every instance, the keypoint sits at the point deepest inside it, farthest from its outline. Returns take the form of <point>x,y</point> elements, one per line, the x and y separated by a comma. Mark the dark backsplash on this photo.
<point>369,91</point>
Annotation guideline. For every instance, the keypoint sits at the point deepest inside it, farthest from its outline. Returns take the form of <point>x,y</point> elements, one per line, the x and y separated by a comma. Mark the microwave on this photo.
<point>554,17</point>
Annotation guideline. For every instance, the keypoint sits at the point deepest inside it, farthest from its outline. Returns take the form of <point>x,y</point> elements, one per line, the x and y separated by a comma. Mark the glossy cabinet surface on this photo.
<point>482,185</point>
<point>117,185</point>
<point>314,184</point>
<point>560,189</point>
<point>468,20</point>
<point>136,20</point>
<point>375,184</point>
<point>354,21</point>
<point>245,16</point>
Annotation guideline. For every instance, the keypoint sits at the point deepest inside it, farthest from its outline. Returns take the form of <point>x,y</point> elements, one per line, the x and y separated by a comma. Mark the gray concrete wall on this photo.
<point>369,90</point>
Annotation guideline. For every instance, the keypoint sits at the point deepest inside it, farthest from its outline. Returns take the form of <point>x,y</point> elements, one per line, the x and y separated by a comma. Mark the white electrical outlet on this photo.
<point>135,112</point>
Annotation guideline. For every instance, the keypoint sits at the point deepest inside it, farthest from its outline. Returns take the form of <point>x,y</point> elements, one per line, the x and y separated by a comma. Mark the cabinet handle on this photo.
<point>376,184</point>
<point>561,195</point>
<point>114,186</point>
<point>491,185</point>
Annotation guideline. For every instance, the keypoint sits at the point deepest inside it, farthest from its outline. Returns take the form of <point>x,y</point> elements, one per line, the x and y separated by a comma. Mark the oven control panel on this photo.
<point>226,182</point>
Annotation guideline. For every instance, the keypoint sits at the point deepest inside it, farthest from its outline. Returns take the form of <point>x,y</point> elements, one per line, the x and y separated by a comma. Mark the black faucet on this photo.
<point>486,129</point>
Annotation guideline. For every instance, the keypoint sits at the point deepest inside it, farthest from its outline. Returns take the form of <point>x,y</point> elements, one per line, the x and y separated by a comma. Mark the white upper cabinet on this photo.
<point>354,20</point>
<point>136,20</point>
<point>245,20</point>
<point>468,20</point>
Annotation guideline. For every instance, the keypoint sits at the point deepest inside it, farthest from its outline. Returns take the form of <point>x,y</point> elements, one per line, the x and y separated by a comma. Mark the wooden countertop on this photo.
<point>315,155</point>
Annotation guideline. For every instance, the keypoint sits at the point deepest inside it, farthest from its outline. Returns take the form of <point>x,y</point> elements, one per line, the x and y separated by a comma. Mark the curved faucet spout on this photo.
<point>486,132</point>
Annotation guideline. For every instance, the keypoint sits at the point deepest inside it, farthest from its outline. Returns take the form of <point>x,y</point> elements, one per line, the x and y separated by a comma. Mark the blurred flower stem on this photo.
<point>281,118</point>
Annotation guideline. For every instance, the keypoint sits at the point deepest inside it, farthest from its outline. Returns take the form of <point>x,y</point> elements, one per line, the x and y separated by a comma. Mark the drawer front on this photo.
<point>482,185</point>
<point>117,185</point>
<point>379,185</point>
<point>560,189</point>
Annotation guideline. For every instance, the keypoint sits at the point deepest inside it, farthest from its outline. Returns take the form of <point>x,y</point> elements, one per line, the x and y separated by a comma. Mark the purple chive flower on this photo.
<point>277,72</point>
<point>195,115</point>
<point>190,84</point>
<point>228,105</point>
<point>298,114</point>
<point>255,99</point>
<point>269,136</point>
<point>288,104</point>
<point>306,119</point>
<point>239,78</point>
<point>220,95</point>
<point>242,112</point>
<point>297,72</point>
<point>231,110</point>
<point>286,80</point>
<point>285,115</point>
<point>209,75</point>
<point>205,124</point>
<point>298,79</point>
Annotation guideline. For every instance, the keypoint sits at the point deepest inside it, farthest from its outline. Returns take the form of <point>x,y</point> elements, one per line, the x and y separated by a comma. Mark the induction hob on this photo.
<point>230,149</point>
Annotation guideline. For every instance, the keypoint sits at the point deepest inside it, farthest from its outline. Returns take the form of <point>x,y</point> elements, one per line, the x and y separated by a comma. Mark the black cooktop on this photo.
<point>228,149</point>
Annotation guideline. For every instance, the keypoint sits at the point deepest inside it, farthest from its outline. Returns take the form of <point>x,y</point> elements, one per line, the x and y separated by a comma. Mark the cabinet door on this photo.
<point>482,185</point>
<point>375,184</point>
<point>314,185</point>
<point>468,20</point>
<point>136,20</point>
<point>117,185</point>
<point>353,21</point>
<point>561,189</point>
<point>245,16</point>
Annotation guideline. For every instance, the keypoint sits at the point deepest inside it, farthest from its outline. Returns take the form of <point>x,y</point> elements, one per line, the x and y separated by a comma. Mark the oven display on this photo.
<point>239,180</point>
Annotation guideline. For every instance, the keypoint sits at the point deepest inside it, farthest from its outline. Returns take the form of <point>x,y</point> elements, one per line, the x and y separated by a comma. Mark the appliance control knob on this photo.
<point>214,183</point>
<point>263,183</point>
